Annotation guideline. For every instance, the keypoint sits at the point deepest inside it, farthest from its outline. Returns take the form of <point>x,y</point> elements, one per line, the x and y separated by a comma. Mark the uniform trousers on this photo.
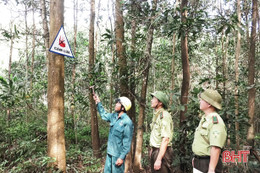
<point>110,165</point>
<point>202,164</point>
<point>166,160</point>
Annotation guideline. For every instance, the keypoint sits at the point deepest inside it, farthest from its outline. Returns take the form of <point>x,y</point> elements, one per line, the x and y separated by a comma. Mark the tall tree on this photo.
<point>185,63</point>
<point>93,111</point>
<point>147,63</point>
<point>238,46</point>
<point>131,113</point>
<point>55,125</point>
<point>186,76</point>
<point>251,75</point>
<point>122,63</point>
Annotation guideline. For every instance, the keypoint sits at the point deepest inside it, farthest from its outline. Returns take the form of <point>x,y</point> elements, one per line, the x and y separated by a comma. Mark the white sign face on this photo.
<point>61,45</point>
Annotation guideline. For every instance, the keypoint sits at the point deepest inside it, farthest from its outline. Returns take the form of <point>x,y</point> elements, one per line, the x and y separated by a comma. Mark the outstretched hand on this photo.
<point>96,98</point>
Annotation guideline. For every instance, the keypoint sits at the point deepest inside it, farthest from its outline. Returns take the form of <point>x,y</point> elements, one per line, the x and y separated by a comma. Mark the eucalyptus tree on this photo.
<point>55,125</point>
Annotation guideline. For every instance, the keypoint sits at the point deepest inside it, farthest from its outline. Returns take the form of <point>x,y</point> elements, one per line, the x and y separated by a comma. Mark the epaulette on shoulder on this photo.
<point>214,119</point>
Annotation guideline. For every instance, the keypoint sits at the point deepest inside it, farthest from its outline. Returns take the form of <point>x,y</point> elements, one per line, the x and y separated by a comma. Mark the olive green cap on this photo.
<point>162,97</point>
<point>212,97</point>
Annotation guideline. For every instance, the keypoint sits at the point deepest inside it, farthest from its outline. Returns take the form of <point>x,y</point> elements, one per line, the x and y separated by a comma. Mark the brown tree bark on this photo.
<point>238,46</point>
<point>186,78</point>
<point>147,54</point>
<point>185,64</point>
<point>55,125</point>
<point>131,113</point>
<point>122,63</point>
<point>251,76</point>
<point>93,111</point>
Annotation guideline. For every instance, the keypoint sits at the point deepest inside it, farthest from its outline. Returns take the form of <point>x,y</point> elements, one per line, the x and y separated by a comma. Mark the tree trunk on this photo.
<point>10,67</point>
<point>237,75</point>
<point>224,72</point>
<point>33,50</point>
<point>45,28</point>
<point>131,113</point>
<point>75,2</point>
<point>140,128</point>
<point>172,70</point>
<point>122,64</point>
<point>94,120</point>
<point>251,76</point>
<point>185,65</point>
<point>26,56</point>
<point>186,79</point>
<point>55,126</point>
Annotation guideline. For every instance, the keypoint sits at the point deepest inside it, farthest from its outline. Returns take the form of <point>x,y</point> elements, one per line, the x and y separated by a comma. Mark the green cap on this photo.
<point>162,97</point>
<point>212,97</point>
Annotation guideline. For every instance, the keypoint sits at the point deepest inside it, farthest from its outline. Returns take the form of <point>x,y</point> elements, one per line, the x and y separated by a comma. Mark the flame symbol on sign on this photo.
<point>61,42</point>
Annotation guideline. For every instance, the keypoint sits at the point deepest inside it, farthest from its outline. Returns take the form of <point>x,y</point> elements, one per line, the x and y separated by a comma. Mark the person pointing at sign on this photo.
<point>120,134</point>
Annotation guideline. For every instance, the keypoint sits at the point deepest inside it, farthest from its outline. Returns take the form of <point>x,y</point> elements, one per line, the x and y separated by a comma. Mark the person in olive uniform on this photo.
<point>161,134</point>
<point>120,134</point>
<point>210,135</point>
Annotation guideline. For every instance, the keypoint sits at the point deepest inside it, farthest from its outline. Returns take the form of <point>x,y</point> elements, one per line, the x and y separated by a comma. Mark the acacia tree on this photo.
<point>251,75</point>
<point>55,125</point>
<point>93,111</point>
<point>145,74</point>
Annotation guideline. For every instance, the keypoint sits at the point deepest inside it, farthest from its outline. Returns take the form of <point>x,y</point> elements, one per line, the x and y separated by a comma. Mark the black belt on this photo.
<point>201,157</point>
<point>154,148</point>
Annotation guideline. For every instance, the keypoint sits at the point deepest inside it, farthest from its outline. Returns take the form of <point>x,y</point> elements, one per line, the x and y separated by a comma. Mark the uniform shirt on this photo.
<point>120,133</point>
<point>161,126</point>
<point>210,132</point>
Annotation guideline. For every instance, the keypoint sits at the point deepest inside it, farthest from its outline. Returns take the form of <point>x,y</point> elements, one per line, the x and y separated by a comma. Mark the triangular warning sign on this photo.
<point>61,45</point>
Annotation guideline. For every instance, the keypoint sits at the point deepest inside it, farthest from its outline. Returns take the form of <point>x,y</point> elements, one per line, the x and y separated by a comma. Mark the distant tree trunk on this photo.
<point>131,113</point>
<point>122,63</point>
<point>147,55</point>
<point>251,76</point>
<point>186,79</point>
<point>55,126</point>
<point>26,56</point>
<point>172,69</point>
<point>33,50</point>
<point>10,66</point>
<point>45,28</point>
<point>237,75</point>
<point>94,120</point>
<point>75,2</point>
<point>224,72</point>
<point>217,65</point>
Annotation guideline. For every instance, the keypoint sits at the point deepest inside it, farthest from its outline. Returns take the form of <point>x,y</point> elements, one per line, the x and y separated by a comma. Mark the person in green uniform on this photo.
<point>161,134</point>
<point>210,135</point>
<point>120,134</point>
